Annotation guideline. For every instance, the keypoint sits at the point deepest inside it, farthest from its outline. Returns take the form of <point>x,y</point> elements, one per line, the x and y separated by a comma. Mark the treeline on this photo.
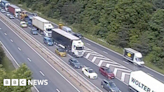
<point>21,73</point>
<point>125,23</point>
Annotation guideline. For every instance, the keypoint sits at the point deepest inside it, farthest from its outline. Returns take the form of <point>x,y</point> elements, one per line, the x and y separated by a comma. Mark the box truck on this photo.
<point>133,56</point>
<point>14,10</point>
<point>42,25</point>
<point>5,4</point>
<point>71,42</point>
<point>142,82</point>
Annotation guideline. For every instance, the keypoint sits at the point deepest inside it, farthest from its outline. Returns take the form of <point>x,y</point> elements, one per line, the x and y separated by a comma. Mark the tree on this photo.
<point>2,54</point>
<point>22,73</point>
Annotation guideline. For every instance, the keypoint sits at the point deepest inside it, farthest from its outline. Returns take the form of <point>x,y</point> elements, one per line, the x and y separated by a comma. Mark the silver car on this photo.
<point>7,14</point>
<point>11,16</point>
<point>3,11</point>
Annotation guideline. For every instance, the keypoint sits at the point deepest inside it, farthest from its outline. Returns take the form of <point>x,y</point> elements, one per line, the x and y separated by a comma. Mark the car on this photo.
<point>7,14</point>
<point>87,71</point>
<point>11,16</point>
<point>75,63</point>
<point>105,71</point>
<point>77,35</point>
<point>109,85</point>
<point>34,31</point>
<point>49,41</point>
<point>3,11</point>
<point>60,51</point>
<point>23,24</point>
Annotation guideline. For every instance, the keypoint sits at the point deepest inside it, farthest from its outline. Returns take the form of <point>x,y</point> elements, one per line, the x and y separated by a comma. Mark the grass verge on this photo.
<point>93,38</point>
<point>7,65</point>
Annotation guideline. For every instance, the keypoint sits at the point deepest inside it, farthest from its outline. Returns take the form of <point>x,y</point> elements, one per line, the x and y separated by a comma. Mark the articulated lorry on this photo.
<point>142,82</point>
<point>71,42</point>
<point>133,56</point>
<point>42,25</point>
<point>15,10</point>
<point>5,4</point>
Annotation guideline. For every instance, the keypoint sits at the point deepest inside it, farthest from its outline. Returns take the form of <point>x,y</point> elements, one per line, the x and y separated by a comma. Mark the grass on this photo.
<point>95,39</point>
<point>7,65</point>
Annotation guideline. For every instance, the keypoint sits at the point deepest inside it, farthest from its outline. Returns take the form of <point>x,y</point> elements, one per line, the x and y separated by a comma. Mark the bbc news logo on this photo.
<point>24,82</point>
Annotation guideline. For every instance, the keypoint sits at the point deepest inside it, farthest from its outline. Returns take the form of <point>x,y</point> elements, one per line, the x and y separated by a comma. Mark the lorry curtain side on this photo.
<point>61,39</point>
<point>11,10</point>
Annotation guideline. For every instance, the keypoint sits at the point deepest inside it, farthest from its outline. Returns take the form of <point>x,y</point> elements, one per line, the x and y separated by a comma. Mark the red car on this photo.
<point>105,71</point>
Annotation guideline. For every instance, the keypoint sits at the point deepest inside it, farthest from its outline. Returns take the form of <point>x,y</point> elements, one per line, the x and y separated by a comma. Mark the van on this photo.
<point>67,29</point>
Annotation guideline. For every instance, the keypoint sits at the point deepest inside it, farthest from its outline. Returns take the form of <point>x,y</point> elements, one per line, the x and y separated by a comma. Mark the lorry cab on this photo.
<point>78,48</point>
<point>48,30</point>
<point>133,56</point>
<point>48,41</point>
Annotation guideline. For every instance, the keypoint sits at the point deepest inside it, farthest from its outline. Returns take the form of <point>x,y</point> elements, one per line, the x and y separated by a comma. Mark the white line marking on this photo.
<point>125,62</point>
<point>93,60</point>
<point>14,60</point>
<point>150,74</point>
<point>29,27</point>
<point>154,71</point>
<point>57,90</point>
<point>11,40</point>
<point>0,28</point>
<point>19,49</point>
<point>88,43</point>
<point>10,54</point>
<point>123,76</point>
<point>29,59</point>
<point>105,52</point>
<point>41,73</point>
<point>5,33</point>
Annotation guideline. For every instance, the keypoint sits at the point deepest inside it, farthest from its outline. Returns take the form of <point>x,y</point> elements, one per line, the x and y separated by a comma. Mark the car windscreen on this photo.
<point>75,61</point>
<point>108,71</point>
<point>50,40</point>
<point>91,71</point>
<point>61,50</point>
<point>79,48</point>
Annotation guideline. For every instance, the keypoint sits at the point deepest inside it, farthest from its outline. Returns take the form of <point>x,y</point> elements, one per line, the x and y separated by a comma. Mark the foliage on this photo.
<point>21,73</point>
<point>138,24</point>
<point>2,54</point>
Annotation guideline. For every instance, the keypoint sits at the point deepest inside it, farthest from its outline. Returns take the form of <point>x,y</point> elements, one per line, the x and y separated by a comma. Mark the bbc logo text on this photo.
<point>24,82</point>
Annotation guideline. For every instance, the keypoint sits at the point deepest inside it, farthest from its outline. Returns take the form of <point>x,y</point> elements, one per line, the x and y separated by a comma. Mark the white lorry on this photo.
<point>71,42</point>
<point>42,25</point>
<point>142,82</point>
<point>133,56</point>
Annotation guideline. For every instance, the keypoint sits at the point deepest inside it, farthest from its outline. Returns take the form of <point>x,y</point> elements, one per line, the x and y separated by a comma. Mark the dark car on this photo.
<point>75,63</point>
<point>110,86</point>
<point>34,31</point>
<point>77,35</point>
<point>105,71</point>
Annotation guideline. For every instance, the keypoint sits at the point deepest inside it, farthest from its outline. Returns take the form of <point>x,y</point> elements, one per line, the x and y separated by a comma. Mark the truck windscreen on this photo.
<point>49,29</point>
<point>139,59</point>
<point>79,48</point>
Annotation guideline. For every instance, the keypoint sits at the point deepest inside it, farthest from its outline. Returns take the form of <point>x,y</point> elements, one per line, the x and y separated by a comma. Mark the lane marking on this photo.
<point>57,90</point>
<point>29,27</point>
<point>10,54</point>
<point>39,34</point>
<point>150,74</point>
<point>11,40</point>
<point>5,33</point>
<point>88,43</point>
<point>29,59</point>
<point>19,49</point>
<point>105,52</point>
<point>125,62</point>
<point>41,73</point>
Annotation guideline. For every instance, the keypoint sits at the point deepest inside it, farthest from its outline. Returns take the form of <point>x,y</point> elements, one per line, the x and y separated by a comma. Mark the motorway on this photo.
<point>84,61</point>
<point>40,69</point>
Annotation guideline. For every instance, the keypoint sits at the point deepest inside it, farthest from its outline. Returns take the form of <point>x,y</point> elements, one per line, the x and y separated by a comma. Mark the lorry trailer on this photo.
<point>133,56</point>
<point>14,10</point>
<point>142,82</point>
<point>71,42</point>
<point>42,25</point>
